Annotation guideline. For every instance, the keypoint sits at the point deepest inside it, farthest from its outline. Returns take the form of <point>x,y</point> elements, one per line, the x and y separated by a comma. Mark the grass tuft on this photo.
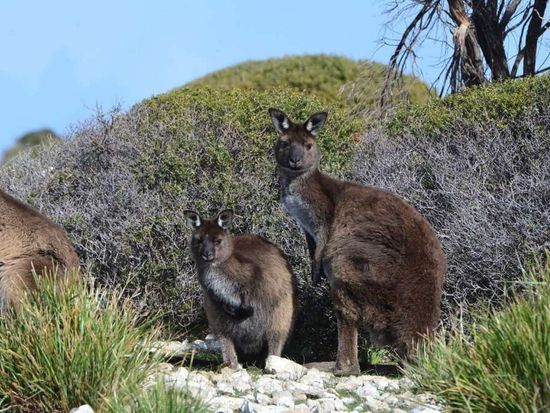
<point>62,349</point>
<point>503,365</point>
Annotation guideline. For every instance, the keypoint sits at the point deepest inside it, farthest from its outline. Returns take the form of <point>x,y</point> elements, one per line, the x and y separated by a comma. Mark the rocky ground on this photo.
<point>286,386</point>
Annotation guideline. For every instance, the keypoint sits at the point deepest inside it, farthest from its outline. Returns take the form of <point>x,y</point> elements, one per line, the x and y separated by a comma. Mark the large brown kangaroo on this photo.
<point>383,261</point>
<point>248,288</point>
<point>29,240</point>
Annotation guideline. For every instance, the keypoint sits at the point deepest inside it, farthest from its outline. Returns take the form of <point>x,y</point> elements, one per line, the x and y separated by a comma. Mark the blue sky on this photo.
<point>61,58</point>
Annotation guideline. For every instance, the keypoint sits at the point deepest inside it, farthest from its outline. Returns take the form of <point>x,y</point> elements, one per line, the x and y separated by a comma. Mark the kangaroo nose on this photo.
<point>294,162</point>
<point>208,257</point>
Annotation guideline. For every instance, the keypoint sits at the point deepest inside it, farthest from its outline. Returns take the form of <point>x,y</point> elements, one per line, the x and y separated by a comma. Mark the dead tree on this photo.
<point>478,32</point>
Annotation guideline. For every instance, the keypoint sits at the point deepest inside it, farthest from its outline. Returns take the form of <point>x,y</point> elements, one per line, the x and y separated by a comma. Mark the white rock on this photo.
<point>295,387</point>
<point>208,345</point>
<point>177,377</point>
<point>315,377</point>
<point>426,409</point>
<point>268,385</point>
<point>199,386</point>
<point>367,389</point>
<point>283,398</point>
<point>390,399</point>
<point>85,408</point>
<point>225,404</point>
<point>381,383</point>
<point>376,405</point>
<point>287,368</point>
<point>348,384</point>
<point>171,348</point>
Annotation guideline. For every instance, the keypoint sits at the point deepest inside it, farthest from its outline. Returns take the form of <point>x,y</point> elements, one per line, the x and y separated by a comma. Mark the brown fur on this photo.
<point>248,288</point>
<point>383,261</point>
<point>29,240</point>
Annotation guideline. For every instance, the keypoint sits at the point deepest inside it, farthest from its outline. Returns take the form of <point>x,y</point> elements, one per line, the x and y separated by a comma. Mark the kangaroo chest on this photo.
<point>220,285</point>
<point>300,209</point>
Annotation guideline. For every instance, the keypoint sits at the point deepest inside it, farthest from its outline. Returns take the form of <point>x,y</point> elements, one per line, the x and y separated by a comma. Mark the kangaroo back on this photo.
<point>29,242</point>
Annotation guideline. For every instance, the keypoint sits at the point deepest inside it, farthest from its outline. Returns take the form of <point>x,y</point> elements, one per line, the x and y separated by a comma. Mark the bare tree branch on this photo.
<point>533,34</point>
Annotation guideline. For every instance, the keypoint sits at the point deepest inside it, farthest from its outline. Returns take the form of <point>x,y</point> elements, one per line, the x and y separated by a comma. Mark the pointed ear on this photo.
<point>280,120</point>
<point>224,219</point>
<point>315,122</point>
<point>193,219</point>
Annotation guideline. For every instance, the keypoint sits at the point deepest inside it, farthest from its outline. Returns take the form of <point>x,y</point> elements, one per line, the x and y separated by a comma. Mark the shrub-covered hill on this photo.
<point>30,139</point>
<point>120,185</point>
<point>321,75</point>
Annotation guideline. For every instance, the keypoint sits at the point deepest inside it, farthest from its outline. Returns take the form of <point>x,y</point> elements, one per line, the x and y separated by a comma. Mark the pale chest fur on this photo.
<point>300,209</point>
<point>221,285</point>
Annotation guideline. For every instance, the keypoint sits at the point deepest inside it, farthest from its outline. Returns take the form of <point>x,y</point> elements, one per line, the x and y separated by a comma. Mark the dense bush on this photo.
<point>504,365</point>
<point>484,187</point>
<point>352,83</point>
<point>65,349</point>
<point>119,186</point>
<point>504,103</point>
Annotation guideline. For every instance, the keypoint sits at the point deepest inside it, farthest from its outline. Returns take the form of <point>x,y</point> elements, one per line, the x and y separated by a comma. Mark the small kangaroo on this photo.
<point>248,289</point>
<point>383,261</point>
<point>29,240</point>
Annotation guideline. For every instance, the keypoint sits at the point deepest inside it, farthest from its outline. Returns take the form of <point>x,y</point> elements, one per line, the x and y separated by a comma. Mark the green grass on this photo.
<point>62,349</point>
<point>503,365</point>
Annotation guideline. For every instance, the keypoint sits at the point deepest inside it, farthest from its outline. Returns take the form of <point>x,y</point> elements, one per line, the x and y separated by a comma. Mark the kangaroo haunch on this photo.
<point>248,288</point>
<point>383,261</point>
<point>29,240</point>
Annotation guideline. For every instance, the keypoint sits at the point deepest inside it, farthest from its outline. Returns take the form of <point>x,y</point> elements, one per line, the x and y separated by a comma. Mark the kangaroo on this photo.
<point>29,241</point>
<point>384,263</point>
<point>248,289</point>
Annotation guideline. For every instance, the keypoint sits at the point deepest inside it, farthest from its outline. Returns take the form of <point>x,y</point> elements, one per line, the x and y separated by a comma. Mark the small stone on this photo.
<point>390,399</point>
<point>171,348</point>
<point>381,383</point>
<point>312,391</point>
<point>177,377</point>
<point>210,346</point>
<point>283,398</point>
<point>348,384</point>
<point>348,400</point>
<point>315,377</point>
<point>427,409</point>
<point>224,403</point>
<point>285,367</point>
<point>398,411</point>
<point>268,385</point>
<point>367,390</point>
<point>299,397</point>
<point>376,405</point>
<point>85,408</point>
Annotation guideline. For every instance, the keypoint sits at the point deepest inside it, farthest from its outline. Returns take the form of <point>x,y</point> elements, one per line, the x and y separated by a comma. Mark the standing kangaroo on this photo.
<point>384,263</point>
<point>29,240</point>
<point>247,285</point>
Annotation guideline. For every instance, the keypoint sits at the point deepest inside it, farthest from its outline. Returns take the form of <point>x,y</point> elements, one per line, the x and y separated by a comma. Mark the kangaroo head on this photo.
<point>296,149</point>
<point>211,242</point>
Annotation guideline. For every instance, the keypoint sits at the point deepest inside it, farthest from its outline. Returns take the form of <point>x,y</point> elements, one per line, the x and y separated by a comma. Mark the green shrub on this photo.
<point>335,79</point>
<point>504,103</point>
<point>138,171</point>
<point>504,366</point>
<point>64,349</point>
<point>30,140</point>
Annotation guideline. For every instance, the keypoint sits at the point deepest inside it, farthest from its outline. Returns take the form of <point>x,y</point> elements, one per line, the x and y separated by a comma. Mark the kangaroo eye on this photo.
<point>218,241</point>
<point>309,146</point>
<point>284,144</point>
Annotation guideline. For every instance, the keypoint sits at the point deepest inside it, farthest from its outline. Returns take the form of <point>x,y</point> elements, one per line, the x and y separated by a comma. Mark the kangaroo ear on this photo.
<point>315,122</point>
<point>225,218</point>
<point>280,120</point>
<point>193,219</point>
